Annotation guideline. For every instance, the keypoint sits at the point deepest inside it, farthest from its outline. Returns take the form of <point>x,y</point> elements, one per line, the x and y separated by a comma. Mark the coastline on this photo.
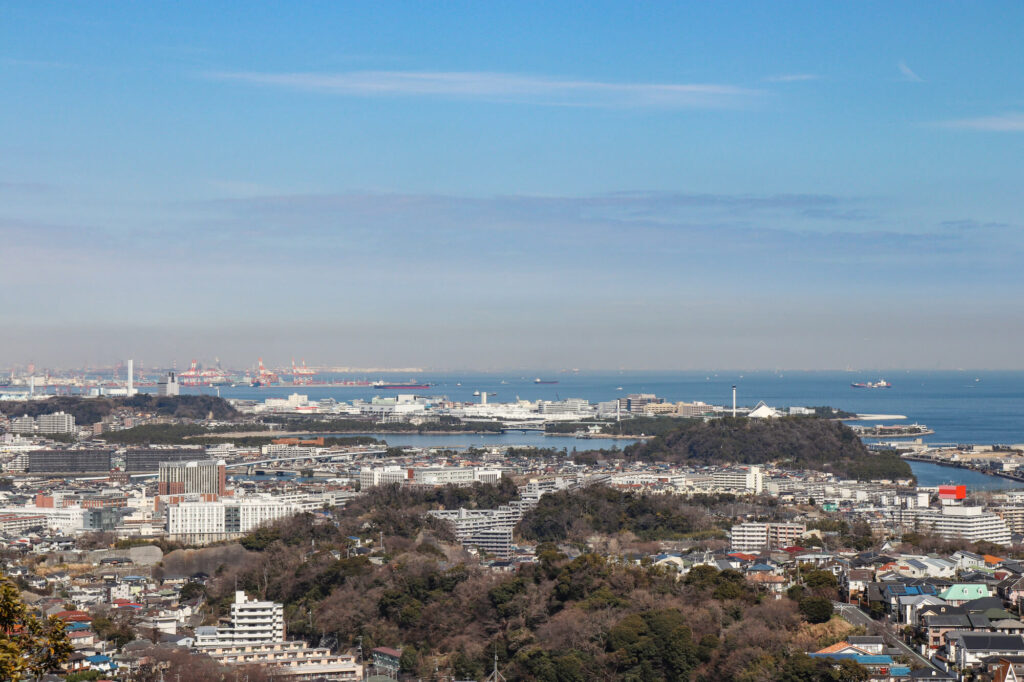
<point>961,465</point>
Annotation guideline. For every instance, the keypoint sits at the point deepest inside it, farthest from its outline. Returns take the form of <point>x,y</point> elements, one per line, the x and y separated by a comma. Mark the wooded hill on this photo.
<point>91,410</point>
<point>560,620</point>
<point>792,442</point>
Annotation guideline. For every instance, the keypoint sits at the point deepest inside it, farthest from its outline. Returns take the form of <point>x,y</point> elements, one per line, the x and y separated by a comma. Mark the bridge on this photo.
<point>319,457</point>
<point>522,426</point>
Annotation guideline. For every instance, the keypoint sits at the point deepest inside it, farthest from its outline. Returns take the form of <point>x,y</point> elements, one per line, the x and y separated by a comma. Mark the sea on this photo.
<point>961,406</point>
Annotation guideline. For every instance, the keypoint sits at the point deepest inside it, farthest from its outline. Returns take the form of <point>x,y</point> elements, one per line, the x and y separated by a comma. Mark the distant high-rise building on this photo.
<point>167,385</point>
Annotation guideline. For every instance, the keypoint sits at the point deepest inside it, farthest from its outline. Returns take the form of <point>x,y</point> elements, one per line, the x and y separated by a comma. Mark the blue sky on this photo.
<point>485,185</point>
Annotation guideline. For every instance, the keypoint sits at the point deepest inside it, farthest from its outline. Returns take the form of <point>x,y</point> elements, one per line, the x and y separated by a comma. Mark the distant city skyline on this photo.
<point>474,186</point>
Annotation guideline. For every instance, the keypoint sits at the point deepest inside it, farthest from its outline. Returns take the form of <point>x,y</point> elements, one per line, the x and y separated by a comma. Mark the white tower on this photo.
<point>734,400</point>
<point>131,378</point>
<point>483,397</point>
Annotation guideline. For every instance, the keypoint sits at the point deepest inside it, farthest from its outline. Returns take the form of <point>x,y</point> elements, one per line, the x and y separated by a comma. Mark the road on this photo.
<point>857,617</point>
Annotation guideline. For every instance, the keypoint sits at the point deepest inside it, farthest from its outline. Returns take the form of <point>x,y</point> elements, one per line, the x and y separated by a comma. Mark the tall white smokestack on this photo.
<point>131,378</point>
<point>483,397</point>
<point>32,384</point>
<point>734,400</point>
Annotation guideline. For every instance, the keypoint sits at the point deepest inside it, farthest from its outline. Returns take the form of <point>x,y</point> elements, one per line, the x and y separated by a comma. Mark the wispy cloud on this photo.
<point>908,73</point>
<point>501,87</point>
<point>792,77</point>
<point>1001,123</point>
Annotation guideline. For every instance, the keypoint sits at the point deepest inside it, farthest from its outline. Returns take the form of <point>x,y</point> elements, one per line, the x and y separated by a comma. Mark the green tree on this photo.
<point>816,609</point>
<point>30,647</point>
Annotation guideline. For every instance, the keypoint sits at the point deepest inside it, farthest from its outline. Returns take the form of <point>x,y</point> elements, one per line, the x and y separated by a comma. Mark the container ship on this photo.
<point>399,387</point>
<point>538,380</point>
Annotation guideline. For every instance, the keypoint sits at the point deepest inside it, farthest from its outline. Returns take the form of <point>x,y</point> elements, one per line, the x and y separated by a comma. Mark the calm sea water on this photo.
<point>929,474</point>
<point>983,407</point>
<point>962,407</point>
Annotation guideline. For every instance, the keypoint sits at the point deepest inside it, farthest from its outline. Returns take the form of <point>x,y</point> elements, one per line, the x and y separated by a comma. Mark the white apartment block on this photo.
<point>202,522</point>
<point>748,480</point>
<point>966,523</point>
<point>374,476</point>
<point>46,424</point>
<point>757,536</point>
<point>289,660</point>
<point>67,520</point>
<point>251,622</point>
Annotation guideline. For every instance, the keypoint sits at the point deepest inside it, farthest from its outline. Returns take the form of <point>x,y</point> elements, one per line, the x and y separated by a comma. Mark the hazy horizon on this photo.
<point>652,185</point>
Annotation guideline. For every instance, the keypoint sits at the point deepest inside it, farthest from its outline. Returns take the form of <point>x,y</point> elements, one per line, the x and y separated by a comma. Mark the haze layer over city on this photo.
<point>663,185</point>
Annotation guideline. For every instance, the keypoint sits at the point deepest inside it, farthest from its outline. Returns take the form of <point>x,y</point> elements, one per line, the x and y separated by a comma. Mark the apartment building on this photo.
<point>750,479</point>
<point>203,522</point>
<point>255,635</point>
<point>964,523</point>
<point>757,536</point>
<point>374,476</point>
<point>180,478</point>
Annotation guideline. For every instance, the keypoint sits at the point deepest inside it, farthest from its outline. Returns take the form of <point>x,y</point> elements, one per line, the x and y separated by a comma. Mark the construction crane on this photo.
<point>302,375</point>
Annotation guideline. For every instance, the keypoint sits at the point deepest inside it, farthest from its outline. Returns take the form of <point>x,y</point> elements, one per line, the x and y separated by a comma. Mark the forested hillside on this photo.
<point>793,442</point>
<point>92,410</point>
<point>560,620</point>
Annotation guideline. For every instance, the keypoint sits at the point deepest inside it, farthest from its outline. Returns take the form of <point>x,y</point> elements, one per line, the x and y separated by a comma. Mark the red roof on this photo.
<point>74,616</point>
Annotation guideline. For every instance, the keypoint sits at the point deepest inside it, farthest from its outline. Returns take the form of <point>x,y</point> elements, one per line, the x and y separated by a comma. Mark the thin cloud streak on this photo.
<point>908,73</point>
<point>792,77</point>
<point>500,87</point>
<point>1001,123</point>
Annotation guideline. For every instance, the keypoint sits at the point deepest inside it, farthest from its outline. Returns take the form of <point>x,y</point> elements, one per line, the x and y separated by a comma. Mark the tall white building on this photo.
<point>168,385</point>
<point>966,523</point>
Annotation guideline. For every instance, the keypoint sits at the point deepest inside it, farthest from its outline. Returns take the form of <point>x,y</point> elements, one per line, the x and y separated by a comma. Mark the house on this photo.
<point>961,593</point>
<point>967,560</point>
<point>1011,589</point>
<point>855,581</point>
<point>909,605</point>
<point>774,584</point>
<point>880,667</point>
<point>967,649</point>
<point>1007,669</point>
<point>937,626</point>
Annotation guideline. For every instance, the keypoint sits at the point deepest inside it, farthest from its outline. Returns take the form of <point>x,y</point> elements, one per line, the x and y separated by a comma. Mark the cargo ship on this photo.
<point>538,380</point>
<point>381,384</point>
<point>881,383</point>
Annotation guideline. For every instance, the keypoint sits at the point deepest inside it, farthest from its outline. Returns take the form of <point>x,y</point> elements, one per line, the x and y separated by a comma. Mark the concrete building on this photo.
<point>963,523</point>
<point>141,460</point>
<point>185,478</point>
<point>58,422</point>
<point>204,522</point>
<point>68,461</point>
<point>168,385</point>
<point>45,424</point>
<point>255,635</point>
<point>374,476</point>
<point>749,480</point>
<point>757,536</point>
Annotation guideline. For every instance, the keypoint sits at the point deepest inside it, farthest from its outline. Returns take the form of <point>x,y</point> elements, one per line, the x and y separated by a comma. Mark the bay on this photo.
<point>982,407</point>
